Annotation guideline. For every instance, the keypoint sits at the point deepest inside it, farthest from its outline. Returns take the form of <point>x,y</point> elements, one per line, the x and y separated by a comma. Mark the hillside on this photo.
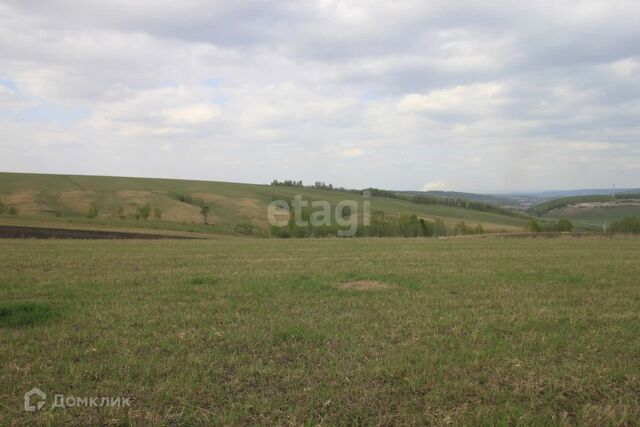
<point>66,201</point>
<point>497,200</point>
<point>592,209</point>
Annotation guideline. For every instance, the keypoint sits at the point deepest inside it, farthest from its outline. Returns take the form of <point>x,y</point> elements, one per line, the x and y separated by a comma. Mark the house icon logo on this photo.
<point>37,396</point>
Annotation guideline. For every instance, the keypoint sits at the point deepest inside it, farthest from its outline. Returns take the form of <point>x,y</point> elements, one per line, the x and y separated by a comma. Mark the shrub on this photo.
<point>439,228</point>
<point>462,229</point>
<point>534,226</point>
<point>144,212</point>
<point>564,225</point>
<point>427,228</point>
<point>157,213</point>
<point>93,211</point>
<point>13,210</point>
<point>244,228</point>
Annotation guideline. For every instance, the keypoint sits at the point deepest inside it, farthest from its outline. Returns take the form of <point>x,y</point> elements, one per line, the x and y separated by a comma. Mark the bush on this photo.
<point>157,213</point>
<point>13,210</point>
<point>282,232</point>
<point>3,207</point>
<point>244,228</point>
<point>144,212</point>
<point>534,226</point>
<point>427,228</point>
<point>439,228</point>
<point>564,225</point>
<point>93,211</point>
<point>462,229</point>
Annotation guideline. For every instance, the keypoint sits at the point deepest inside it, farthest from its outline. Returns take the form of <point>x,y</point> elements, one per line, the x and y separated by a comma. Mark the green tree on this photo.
<point>564,225</point>
<point>427,228</point>
<point>460,229</point>
<point>534,226</point>
<point>439,228</point>
<point>378,224</point>
<point>144,212</point>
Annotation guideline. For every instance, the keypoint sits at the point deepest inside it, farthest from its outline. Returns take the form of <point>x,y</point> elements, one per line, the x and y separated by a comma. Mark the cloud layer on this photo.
<point>462,95</point>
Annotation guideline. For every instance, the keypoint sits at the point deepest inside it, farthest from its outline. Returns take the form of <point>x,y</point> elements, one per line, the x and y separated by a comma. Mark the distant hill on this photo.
<point>482,198</point>
<point>546,195</point>
<point>69,200</point>
<point>594,209</point>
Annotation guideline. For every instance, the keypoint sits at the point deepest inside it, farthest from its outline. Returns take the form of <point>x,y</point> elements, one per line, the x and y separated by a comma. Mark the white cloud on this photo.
<point>625,68</point>
<point>192,114</point>
<point>435,186</point>
<point>476,97</point>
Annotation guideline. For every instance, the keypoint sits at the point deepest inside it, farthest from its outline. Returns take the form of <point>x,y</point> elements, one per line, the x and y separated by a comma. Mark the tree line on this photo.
<point>626,225</point>
<point>380,225</point>
<point>561,225</point>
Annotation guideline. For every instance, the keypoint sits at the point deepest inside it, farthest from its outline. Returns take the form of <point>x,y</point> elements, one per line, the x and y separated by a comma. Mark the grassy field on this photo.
<point>64,201</point>
<point>250,331</point>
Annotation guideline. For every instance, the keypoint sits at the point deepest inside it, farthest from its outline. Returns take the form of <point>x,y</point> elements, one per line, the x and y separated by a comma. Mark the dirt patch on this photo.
<point>77,201</point>
<point>135,197</point>
<point>366,285</point>
<point>25,201</point>
<point>182,212</point>
<point>245,208</point>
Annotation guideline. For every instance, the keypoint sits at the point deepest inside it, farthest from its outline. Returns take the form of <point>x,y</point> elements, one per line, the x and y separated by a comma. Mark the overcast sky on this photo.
<point>458,95</point>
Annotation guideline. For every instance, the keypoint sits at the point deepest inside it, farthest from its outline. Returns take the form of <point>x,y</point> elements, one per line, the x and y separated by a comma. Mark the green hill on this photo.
<point>67,201</point>
<point>592,210</point>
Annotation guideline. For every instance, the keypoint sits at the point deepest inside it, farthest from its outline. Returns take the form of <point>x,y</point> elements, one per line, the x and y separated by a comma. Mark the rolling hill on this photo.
<point>66,201</point>
<point>594,209</point>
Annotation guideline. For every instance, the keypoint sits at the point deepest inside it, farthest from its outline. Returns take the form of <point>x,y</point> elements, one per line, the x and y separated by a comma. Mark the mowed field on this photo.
<point>262,331</point>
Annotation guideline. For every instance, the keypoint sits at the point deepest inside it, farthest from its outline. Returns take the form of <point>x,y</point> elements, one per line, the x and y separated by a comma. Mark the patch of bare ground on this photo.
<point>77,201</point>
<point>25,201</point>
<point>366,285</point>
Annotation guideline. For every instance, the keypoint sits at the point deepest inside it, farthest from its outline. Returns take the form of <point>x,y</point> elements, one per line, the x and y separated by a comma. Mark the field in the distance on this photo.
<point>64,201</point>
<point>242,331</point>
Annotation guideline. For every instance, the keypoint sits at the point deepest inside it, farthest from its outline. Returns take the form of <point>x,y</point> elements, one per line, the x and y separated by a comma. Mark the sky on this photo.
<point>479,96</point>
